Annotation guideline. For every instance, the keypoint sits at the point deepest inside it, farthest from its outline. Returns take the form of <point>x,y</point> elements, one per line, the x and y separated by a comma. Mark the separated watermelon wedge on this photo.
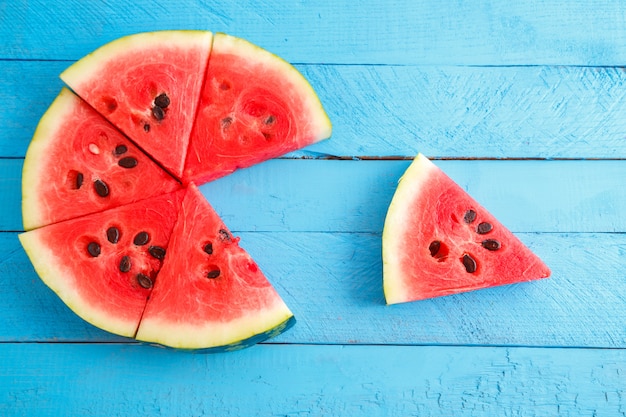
<point>165,270</point>
<point>437,240</point>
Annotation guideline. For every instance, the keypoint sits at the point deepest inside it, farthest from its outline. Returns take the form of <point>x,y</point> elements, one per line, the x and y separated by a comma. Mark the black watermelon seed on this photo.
<point>125,263</point>
<point>483,228</point>
<point>94,249</point>
<point>157,252</point>
<point>79,180</point>
<point>162,101</point>
<point>208,248</point>
<point>113,234</point>
<point>434,247</point>
<point>121,149</point>
<point>158,113</point>
<point>101,188</point>
<point>491,244</point>
<point>470,216</point>
<point>144,281</point>
<point>224,235</point>
<point>146,127</point>
<point>214,273</point>
<point>127,162</point>
<point>270,120</point>
<point>141,238</point>
<point>469,263</point>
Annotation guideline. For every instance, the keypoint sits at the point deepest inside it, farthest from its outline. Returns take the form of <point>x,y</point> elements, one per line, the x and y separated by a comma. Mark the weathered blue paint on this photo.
<point>493,91</point>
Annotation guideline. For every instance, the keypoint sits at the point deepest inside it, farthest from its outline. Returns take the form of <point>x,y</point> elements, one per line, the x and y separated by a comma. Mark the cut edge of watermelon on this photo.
<point>49,124</point>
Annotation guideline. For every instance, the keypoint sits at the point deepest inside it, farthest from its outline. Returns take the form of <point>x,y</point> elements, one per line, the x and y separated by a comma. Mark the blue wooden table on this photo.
<point>523,104</point>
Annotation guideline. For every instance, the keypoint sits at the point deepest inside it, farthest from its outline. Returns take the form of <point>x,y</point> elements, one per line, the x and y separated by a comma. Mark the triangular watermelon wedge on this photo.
<point>210,294</point>
<point>103,265</point>
<point>437,240</point>
<point>78,163</point>
<point>148,85</point>
<point>254,106</point>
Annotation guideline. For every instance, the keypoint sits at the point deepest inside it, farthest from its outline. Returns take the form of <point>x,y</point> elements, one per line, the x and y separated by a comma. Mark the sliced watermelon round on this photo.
<point>437,240</point>
<point>210,293</point>
<point>254,106</point>
<point>147,85</point>
<point>103,265</point>
<point>78,163</point>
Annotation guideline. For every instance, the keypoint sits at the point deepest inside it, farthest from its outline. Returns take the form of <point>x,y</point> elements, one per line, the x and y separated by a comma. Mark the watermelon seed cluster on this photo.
<point>214,270</point>
<point>440,252</point>
<point>142,238</point>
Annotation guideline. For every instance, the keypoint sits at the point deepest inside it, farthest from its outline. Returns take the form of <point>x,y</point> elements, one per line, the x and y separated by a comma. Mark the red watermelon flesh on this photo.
<point>437,240</point>
<point>148,86</point>
<point>103,265</point>
<point>78,163</point>
<point>210,292</point>
<point>254,106</point>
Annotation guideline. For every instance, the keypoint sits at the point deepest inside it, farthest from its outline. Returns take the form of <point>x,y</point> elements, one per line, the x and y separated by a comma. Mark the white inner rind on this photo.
<point>409,186</point>
<point>32,175</point>
<point>211,333</point>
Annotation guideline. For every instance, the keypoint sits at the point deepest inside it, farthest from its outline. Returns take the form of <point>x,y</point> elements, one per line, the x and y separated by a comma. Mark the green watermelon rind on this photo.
<point>236,345</point>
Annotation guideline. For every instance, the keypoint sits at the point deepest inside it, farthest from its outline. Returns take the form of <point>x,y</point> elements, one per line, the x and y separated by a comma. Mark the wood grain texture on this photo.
<point>333,284</point>
<point>353,196</point>
<point>393,32</point>
<point>119,380</point>
<point>522,103</point>
<point>381,111</point>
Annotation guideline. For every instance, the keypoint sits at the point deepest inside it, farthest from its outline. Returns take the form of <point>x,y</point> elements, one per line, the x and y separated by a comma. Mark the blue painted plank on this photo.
<point>429,32</point>
<point>353,196</point>
<point>333,284</point>
<point>380,111</point>
<point>119,380</point>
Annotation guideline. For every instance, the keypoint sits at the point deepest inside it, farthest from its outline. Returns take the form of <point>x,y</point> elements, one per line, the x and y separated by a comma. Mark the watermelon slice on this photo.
<point>78,163</point>
<point>210,292</point>
<point>437,240</point>
<point>148,86</point>
<point>103,265</point>
<point>254,106</point>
